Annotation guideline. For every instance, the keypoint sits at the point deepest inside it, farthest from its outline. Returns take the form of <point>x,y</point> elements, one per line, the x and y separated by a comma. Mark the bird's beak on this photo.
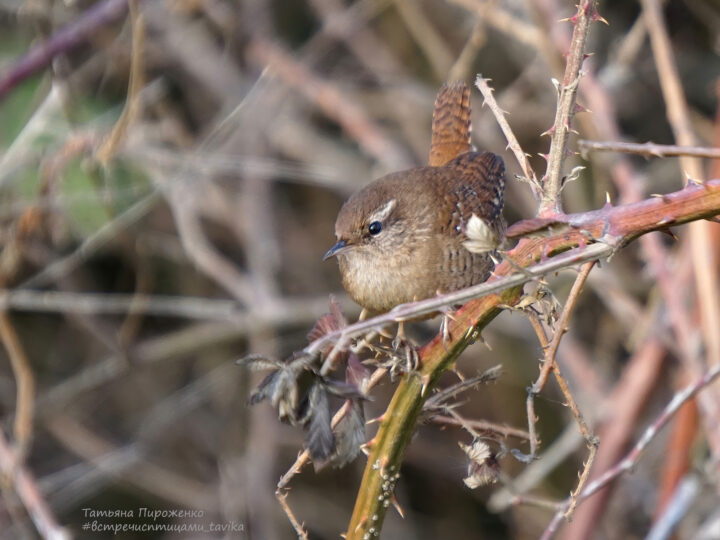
<point>338,248</point>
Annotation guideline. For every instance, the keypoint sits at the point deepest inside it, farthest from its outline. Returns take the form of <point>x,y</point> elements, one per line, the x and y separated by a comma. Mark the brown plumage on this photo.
<point>451,128</point>
<point>406,236</point>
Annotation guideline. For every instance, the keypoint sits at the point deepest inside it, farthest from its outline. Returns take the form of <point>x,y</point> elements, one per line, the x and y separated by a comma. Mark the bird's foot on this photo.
<point>408,348</point>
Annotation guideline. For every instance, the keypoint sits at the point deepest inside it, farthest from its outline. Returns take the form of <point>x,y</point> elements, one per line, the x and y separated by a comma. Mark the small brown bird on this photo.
<point>417,233</point>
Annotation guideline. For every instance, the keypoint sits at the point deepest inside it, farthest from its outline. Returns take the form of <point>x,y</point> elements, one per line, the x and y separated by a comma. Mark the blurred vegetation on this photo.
<point>208,225</point>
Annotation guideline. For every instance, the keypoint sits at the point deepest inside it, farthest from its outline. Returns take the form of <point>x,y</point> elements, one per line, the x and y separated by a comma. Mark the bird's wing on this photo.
<point>478,180</point>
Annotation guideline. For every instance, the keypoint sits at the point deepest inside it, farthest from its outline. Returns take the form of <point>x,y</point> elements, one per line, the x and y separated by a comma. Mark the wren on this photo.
<point>413,234</point>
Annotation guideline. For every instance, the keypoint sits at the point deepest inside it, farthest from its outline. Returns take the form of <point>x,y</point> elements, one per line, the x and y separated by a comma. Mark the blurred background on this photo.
<point>168,187</point>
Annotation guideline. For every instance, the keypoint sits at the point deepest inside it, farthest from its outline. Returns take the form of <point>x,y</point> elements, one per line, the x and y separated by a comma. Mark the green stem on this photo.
<point>398,422</point>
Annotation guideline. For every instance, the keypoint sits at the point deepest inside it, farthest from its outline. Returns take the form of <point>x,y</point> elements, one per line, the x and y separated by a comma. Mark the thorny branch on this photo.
<point>552,181</point>
<point>611,226</point>
<point>393,435</point>
<point>513,144</point>
<point>550,359</point>
<point>648,149</point>
<point>632,457</point>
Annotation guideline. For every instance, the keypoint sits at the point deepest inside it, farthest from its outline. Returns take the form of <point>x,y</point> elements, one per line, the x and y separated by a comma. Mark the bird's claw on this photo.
<point>410,351</point>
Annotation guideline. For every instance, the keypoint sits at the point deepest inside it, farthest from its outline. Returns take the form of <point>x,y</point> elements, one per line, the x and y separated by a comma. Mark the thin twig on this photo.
<point>25,486</point>
<point>591,441</point>
<point>633,456</point>
<point>553,455</point>
<point>299,527</point>
<point>530,400</point>
<point>481,425</point>
<point>25,399</point>
<point>415,309</point>
<point>513,144</point>
<point>133,103</point>
<point>621,409</point>
<point>670,84</point>
<point>648,149</point>
<point>550,364</point>
<point>552,182</point>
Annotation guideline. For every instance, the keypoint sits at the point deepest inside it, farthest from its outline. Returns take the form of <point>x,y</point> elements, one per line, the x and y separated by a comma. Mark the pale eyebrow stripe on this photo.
<point>384,211</point>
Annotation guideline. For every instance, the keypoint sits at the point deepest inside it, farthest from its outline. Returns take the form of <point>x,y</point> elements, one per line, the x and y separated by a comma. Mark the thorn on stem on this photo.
<point>581,109</point>
<point>397,507</point>
<point>377,419</point>
<point>664,198</point>
<point>597,17</point>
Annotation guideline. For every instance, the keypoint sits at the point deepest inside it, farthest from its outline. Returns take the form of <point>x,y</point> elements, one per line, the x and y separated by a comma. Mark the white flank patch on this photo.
<point>481,238</point>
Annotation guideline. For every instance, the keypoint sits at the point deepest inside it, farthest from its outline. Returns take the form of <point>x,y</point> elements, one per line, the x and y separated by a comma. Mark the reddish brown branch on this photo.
<point>513,144</point>
<point>612,226</point>
<point>65,39</point>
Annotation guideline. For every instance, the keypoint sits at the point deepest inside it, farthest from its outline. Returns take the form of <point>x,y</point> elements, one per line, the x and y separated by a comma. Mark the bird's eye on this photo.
<point>375,227</point>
